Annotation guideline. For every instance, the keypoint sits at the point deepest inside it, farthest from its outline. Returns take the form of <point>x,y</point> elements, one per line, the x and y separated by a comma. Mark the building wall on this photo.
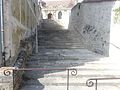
<point>65,15</point>
<point>92,20</point>
<point>20,20</point>
<point>0,33</point>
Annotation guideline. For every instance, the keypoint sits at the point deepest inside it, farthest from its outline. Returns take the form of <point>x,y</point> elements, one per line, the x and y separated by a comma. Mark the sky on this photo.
<point>51,0</point>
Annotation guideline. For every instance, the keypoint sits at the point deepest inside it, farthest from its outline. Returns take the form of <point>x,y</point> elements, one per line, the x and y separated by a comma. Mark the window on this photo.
<point>59,15</point>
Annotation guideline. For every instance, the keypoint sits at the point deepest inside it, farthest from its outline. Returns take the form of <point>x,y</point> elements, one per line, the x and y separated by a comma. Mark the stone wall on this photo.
<point>20,21</point>
<point>92,20</point>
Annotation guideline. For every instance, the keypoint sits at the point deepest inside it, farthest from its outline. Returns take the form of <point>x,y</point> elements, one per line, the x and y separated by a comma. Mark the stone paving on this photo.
<point>63,56</point>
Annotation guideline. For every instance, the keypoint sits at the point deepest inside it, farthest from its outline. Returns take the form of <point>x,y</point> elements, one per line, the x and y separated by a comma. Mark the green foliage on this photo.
<point>117,15</point>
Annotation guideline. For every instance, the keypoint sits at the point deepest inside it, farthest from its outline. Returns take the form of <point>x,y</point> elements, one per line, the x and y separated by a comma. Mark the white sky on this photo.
<point>51,0</point>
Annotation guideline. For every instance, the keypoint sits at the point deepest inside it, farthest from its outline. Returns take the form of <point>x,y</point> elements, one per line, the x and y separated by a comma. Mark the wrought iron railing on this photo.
<point>69,72</point>
<point>94,81</point>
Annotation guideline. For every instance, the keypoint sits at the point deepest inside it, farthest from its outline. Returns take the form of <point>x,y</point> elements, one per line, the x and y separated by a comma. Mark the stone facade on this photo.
<point>60,10</point>
<point>20,21</point>
<point>93,21</point>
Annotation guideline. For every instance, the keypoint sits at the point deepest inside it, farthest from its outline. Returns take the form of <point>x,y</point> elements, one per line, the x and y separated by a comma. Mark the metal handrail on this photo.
<point>91,83</point>
<point>72,72</point>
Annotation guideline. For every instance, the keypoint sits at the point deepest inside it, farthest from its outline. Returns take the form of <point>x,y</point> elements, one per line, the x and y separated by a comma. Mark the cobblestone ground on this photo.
<point>63,49</point>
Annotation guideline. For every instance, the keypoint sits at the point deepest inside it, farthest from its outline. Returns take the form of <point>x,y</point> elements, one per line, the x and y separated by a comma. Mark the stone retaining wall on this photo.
<point>93,20</point>
<point>21,18</point>
<point>20,21</point>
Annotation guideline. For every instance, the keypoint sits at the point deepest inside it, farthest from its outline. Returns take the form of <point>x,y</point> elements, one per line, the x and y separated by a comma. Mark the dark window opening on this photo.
<point>59,15</point>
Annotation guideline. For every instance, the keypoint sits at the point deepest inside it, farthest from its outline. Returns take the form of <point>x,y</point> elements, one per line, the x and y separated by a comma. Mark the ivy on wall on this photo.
<point>117,15</point>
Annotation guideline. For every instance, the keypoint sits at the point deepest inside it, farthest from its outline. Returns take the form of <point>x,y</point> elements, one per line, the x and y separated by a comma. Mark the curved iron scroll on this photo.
<point>94,81</point>
<point>89,83</point>
<point>7,72</point>
<point>72,72</point>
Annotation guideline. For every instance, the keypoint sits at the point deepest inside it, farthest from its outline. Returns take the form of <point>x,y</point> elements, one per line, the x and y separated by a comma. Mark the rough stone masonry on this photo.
<point>20,19</point>
<point>94,20</point>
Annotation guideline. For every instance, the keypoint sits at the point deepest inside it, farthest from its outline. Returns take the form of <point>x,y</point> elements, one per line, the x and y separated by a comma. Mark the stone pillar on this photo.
<point>6,78</point>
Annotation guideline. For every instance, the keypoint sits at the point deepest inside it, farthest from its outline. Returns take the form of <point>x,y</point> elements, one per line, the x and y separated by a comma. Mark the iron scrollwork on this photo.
<point>7,72</point>
<point>73,72</point>
<point>90,83</point>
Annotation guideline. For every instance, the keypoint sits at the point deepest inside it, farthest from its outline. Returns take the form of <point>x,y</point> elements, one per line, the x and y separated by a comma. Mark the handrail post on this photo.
<point>96,84</point>
<point>68,79</point>
<point>36,37</point>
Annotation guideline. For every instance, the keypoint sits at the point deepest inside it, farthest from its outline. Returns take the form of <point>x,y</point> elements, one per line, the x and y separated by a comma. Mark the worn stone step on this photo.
<point>58,80</point>
<point>76,87</point>
<point>67,51</point>
<point>73,84</point>
<point>32,87</point>
<point>59,40</point>
<point>59,47</point>
<point>59,44</point>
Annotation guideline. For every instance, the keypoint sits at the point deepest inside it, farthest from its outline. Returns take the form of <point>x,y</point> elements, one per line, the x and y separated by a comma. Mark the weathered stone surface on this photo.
<point>20,21</point>
<point>93,21</point>
<point>87,63</point>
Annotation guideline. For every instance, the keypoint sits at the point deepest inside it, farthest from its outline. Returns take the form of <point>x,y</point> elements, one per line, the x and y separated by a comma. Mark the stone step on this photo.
<point>60,47</point>
<point>59,39</point>
<point>56,32</point>
<point>107,83</point>
<point>75,87</point>
<point>80,73</point>
<point>67,57</point>
<point>61,35</point>
<point>66,51</point>
<point>59,43</point>
<point>32,87</point>
<point>74,61</point>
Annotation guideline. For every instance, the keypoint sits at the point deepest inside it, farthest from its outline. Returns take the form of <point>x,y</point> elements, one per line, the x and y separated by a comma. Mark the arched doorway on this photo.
<point>49,15</point>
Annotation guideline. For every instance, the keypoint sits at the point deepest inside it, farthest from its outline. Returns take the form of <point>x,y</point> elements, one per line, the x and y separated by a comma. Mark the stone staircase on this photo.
<point>59,39</point>
<point>63,49</point>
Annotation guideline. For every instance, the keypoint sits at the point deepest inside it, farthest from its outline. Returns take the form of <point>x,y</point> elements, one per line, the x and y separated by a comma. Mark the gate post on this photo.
<point>6,78</point>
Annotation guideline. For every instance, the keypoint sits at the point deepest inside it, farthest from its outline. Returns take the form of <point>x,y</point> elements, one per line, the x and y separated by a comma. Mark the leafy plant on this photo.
<point>117,15</point>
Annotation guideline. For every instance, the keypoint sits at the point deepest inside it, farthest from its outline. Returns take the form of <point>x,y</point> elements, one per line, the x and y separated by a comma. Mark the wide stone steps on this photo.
<point>60,79</point>
<point>87,67</point>
<point>42,87</point>
<point>50,24</point>
<point>64,49</point>
<point>59,39</point>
